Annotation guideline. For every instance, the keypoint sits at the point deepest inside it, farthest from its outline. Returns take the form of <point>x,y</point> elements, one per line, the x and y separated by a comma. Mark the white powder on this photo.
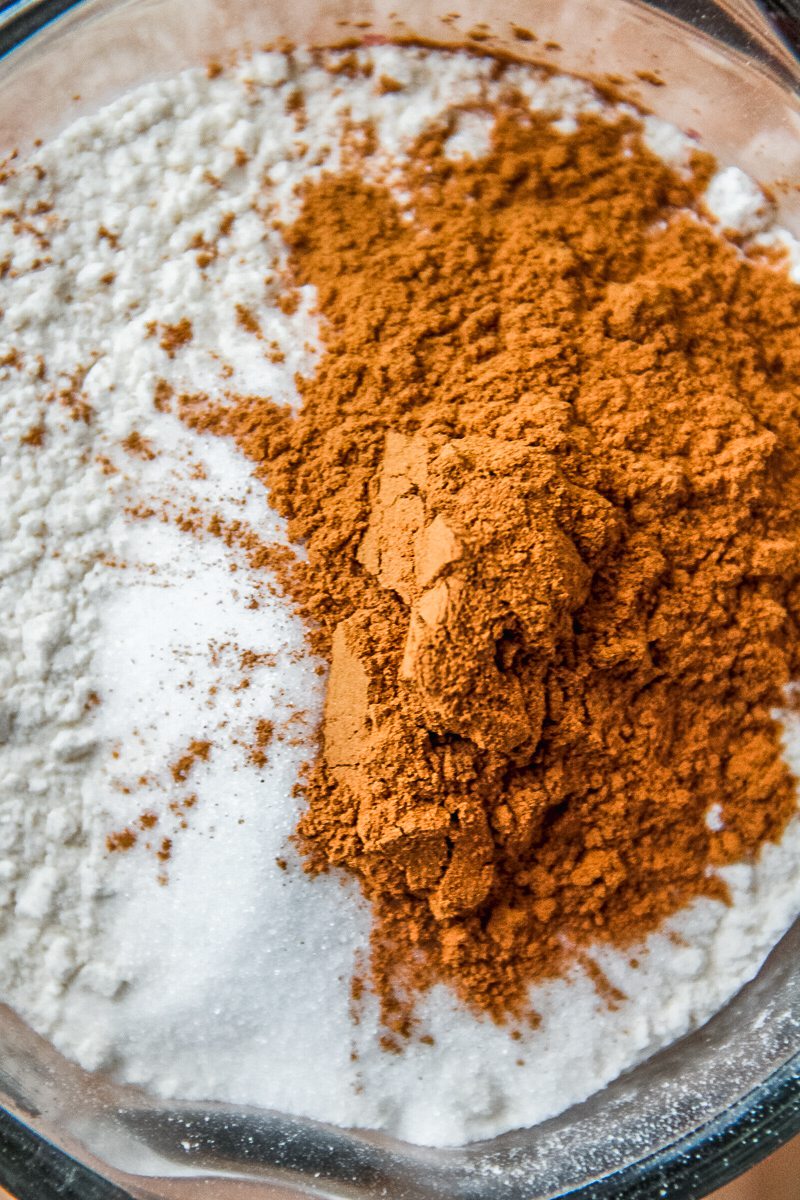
<point>126,639</point>
<point>737,201</point>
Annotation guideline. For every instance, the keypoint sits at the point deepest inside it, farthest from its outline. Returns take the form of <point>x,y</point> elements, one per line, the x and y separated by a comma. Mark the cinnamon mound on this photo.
<point>548,478</point>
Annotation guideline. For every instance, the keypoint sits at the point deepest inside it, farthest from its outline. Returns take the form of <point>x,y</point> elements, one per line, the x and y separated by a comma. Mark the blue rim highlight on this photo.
<point>27,18</point>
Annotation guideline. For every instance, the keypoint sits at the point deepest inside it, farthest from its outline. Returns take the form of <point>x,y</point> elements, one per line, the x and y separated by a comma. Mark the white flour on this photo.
<point>124,640</point>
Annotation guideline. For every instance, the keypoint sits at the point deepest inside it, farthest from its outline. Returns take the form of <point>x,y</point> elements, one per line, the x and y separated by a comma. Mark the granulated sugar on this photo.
<point>159,699</point>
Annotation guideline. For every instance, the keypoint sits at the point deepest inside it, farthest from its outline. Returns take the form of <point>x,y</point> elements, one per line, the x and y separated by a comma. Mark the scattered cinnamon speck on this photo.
<point>265,731</point>
<point>175,336</point>
<point>387,85</point>
<point>252,658</point>
<point>73,398</point>
<point>606,990</point>
<point>650,77</point>
<point>105,234</point>
<point>289,302</point>
<point>139,446</point>
<point>246,318</point>
<point>34,436</point>
<point>125,839</point>
<point>163,395</point>
<point>197,750</point>
<point>296,107</point>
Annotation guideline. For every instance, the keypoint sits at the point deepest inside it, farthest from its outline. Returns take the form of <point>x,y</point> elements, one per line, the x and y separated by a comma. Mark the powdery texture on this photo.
<point>557,580</point>
<point>135,252</point>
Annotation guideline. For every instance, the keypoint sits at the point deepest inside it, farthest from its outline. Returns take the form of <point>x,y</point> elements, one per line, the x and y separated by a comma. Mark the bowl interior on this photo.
<point>736,89</point>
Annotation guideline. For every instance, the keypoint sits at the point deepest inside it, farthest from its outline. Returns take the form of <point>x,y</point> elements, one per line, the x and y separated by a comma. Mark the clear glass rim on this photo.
<point>34,1168</point>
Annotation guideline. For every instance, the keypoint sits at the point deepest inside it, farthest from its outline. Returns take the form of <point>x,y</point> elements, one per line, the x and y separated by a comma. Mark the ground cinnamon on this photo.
<point>547,477</point>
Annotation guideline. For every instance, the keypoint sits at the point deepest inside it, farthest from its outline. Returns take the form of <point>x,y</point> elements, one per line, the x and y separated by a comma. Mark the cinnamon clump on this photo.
<point>547,476</point>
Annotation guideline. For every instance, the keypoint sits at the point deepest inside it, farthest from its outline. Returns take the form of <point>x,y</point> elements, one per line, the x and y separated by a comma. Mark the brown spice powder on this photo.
<point>198,750</point>
<point>547,475</point>
<point>123,839</point>
<point>139,446</point>
<point>176,335</point>
<point>264,733</point>
<point>35,435</point>
<point>247,319</point>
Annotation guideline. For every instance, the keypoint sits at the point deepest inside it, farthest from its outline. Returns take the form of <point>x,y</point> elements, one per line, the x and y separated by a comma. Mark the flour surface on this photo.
<point>140,650</point>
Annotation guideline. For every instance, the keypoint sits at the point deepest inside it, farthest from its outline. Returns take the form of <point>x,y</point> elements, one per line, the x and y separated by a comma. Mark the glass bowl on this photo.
<point>702,1110</point>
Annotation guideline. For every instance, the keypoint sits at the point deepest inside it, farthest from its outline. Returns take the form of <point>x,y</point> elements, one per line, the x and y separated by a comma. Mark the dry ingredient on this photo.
<point>161,690</point>
<point>548,478</point>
